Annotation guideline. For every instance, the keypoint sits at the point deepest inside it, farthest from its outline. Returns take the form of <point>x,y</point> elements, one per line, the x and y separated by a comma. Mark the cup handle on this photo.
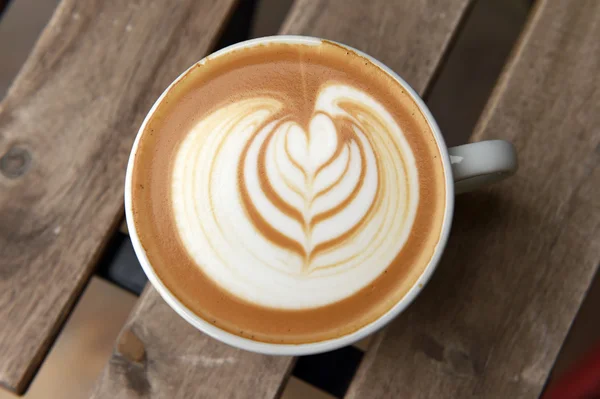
<point>478,164</point>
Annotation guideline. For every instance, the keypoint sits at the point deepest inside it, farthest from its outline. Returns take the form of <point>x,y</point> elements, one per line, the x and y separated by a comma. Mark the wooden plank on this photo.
<point>84,344</point>
<point>299,389</point>
<point>164,369</point>
<point>522,254</point>
<point>159,355</point>
<point>411,37</point>
<point>66,127</point>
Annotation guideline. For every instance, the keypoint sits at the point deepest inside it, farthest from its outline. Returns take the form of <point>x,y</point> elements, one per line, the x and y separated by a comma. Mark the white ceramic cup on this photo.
<point>466,167</point>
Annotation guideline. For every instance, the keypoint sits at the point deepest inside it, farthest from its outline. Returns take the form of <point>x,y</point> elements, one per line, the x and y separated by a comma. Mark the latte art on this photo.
<point>290,215</point>
<point>287,192</point>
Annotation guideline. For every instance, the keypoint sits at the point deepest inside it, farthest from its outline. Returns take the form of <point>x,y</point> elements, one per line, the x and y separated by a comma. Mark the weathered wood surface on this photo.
<point>180,362</point>
<point>66,128</point>
<point>522,254</point>
<point>159,355</point>
<point>411,37</point>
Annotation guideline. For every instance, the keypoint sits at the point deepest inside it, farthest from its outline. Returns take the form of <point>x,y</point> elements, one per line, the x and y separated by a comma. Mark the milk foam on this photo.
<point>294,218</point>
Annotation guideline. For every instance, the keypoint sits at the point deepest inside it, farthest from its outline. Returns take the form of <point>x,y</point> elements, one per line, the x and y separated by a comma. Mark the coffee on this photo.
<point>288,193</point>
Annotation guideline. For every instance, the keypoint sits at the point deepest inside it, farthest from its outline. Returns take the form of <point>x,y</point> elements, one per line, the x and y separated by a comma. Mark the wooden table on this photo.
<point>519,261</point>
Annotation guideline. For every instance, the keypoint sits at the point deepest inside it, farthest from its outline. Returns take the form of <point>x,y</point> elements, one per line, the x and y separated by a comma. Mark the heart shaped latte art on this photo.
<point>265,205</point>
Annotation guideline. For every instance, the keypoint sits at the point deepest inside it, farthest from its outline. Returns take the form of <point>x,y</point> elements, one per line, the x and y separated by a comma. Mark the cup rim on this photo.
<point>311,347</point>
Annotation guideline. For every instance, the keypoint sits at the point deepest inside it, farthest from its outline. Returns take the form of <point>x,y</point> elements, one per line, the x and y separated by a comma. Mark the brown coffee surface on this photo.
<point>294,73</point>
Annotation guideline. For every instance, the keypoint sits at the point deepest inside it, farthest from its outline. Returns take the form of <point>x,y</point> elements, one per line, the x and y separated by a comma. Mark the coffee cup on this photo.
<point>352,119</point>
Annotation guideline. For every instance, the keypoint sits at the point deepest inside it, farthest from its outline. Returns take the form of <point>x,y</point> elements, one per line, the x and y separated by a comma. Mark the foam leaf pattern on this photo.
<point>264,204</point>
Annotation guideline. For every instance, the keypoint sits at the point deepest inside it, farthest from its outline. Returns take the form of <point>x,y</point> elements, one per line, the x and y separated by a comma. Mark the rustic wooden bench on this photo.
<point>490,323</point>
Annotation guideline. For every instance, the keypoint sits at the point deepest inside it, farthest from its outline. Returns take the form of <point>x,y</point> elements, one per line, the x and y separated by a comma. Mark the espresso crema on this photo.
<point>288,193</point>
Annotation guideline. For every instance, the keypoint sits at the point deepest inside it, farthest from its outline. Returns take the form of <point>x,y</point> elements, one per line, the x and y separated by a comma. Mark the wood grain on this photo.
<point>83,345</point>
<point>169,342</point>
<point>159,355</point>
<point>522,254</point>
<point>410,37</point>
<point>66,127</point>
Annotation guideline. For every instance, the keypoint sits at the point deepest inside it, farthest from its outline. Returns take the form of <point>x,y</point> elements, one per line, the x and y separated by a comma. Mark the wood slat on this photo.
<point>66,128</point>
<point>522,254</point>
<point>411,37</point>
<point>160,355</point>
<point>83,345</point>
<point>413,42</point>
